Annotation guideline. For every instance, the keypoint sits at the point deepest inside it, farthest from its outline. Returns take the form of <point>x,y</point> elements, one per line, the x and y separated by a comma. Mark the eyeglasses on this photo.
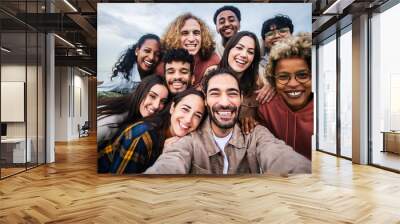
<point>280,31</point>
<point>301,77</point>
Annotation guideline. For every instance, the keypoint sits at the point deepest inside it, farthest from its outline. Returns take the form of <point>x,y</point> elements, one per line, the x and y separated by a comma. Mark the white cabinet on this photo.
<point>18,149</point>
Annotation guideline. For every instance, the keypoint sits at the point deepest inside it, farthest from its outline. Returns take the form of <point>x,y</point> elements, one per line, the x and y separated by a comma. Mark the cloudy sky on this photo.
<point>120,25</point>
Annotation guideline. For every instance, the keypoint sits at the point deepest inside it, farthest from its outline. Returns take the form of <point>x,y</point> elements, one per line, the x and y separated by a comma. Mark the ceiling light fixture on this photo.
<point>337,7</point>
<point>79,51</point>
<point>64,40</point>
<point>5,49</point>
<point>70,5</point>
<point>84,71</point>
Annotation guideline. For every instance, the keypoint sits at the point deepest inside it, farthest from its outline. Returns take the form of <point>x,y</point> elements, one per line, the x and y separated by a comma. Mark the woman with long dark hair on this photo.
<point>242,56</point>
<point>141,143</point>
<point>138,62</point>
<point>115,113</point>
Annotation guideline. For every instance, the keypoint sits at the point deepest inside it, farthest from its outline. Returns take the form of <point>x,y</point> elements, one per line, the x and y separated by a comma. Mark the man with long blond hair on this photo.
<point>191,33</point>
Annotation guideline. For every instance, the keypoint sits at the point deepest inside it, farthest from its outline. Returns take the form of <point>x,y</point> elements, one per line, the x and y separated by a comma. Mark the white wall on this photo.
<point>14,72</point>
<point>17,72</point>
<point>71,94</point>
<point>50,95</point>
<point>360,90</point>
<point>33,126</point>
<point>314,87</point>
<point>61,103</point>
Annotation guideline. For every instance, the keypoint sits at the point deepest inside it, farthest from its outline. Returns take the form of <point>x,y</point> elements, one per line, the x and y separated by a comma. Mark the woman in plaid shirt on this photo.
<point>140,144</point>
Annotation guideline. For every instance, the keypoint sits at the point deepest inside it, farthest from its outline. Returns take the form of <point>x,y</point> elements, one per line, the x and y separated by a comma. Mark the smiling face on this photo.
<point>295,94</point>
<point>154,101</point>
<point>191,36</point>
<point>241,55</point>
<point>274,35</point>
<point>186,115</point>
<point>148,55</point>
<point>223,102</point>
<point>178,76</point>
<point>227,24</point>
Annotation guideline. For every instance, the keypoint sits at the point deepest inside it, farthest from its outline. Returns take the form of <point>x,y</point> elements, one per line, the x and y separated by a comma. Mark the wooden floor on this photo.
<point>5,172</point>
<point>70,191</point>
<point>10,171</point>
<point>387,159</point>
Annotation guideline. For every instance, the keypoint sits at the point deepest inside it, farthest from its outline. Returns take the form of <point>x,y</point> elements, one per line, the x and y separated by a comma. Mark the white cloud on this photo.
<point>122,24</point>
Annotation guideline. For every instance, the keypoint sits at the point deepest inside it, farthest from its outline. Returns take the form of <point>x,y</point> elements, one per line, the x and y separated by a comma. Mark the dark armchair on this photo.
<point>84,130</point>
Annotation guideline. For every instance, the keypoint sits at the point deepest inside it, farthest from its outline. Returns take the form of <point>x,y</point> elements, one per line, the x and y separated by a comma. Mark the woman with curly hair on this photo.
<point>289,115</point>
<point>138,62</point>
<point>191,33</point>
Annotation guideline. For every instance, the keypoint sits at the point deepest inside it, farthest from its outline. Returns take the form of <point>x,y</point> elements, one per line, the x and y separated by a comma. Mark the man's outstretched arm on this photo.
<point>176,158</point>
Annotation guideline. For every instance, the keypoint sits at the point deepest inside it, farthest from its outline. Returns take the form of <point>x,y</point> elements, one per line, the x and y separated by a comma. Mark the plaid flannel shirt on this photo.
<point>133,151</point>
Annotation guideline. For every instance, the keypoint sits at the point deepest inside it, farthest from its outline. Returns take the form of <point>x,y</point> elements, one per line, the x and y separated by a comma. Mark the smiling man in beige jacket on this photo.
<point>220,147</point>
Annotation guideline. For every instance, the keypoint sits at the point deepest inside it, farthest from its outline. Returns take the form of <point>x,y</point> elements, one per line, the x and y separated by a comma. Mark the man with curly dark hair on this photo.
<point>274,30</point>
<point>178,70</point>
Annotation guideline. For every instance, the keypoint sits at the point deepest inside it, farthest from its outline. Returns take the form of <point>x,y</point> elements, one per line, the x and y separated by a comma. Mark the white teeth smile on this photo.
<point>152,111</point>
<point>148,63</point>
<point>225,114</point>
<point>177,85</point>
<point>240,61</point>
<point>183,126</point>
<point>191,45</point>
<point>294,94</point>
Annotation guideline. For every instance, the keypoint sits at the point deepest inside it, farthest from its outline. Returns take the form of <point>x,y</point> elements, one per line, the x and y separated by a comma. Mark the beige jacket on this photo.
<point>258,152</point>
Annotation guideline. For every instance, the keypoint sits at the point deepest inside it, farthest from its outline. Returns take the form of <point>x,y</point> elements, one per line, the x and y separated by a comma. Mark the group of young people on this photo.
<point>185,104</point>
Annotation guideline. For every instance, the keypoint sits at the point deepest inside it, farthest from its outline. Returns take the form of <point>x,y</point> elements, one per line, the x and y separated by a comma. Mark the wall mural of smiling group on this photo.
<point>196,88</point>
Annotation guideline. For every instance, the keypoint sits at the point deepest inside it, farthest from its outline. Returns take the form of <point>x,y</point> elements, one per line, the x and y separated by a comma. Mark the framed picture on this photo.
<point>204,88</point>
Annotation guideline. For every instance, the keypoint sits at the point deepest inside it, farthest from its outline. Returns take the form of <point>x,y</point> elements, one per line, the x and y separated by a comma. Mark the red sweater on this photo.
<point>200,66</point>
<point>295,128</point>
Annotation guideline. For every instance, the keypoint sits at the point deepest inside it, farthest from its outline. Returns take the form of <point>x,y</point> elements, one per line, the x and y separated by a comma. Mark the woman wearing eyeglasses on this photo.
<point>289,115</point>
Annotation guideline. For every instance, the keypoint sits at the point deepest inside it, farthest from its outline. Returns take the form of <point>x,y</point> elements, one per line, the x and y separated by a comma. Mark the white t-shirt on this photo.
<point>221,143</point>
<point>219,49</point>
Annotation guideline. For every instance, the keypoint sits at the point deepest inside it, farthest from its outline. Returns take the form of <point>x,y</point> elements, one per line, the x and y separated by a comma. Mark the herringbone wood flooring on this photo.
<point>70,191</point>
